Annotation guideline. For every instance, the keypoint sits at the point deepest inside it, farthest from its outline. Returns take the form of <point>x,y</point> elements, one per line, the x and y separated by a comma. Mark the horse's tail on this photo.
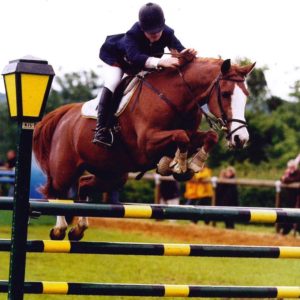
<point>42,138</point>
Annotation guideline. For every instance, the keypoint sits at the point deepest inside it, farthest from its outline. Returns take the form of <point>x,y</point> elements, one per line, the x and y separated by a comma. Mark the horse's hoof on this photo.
<point>58,237</point>
<point>163,167</point>
<point>184,176</point>
<point>73,236</point>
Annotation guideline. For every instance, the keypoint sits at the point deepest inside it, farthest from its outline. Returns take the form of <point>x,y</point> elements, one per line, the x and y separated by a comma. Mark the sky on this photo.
<point>69,33</point>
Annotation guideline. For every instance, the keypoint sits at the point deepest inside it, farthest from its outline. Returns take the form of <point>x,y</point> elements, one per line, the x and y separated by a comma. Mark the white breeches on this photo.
<point>112,76</point>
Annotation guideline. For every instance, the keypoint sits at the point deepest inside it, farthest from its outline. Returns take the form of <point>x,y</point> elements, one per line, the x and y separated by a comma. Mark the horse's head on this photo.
<point>226,100</point>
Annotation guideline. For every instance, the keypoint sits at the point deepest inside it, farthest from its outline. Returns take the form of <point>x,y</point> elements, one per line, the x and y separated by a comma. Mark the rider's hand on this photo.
<point>189,53</point>
<point>169,62</point>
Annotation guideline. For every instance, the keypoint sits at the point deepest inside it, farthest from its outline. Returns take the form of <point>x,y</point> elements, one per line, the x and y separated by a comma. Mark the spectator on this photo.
<point>112,197</point>
<point>1,168</point>
<point>227,194</point>
<point>168,192</point>
<point>291,173</point>
<point>11,159</point>
<point>291,196</point>
<point>1,165</point>
<point>199,190</point>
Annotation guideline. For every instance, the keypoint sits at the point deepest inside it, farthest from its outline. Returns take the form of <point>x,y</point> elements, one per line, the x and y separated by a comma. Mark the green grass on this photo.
<point>143,269</point>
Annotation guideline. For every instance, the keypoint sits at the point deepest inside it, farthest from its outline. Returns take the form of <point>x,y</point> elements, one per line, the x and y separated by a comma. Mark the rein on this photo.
<point>215,123</point>
<point>160,94</point>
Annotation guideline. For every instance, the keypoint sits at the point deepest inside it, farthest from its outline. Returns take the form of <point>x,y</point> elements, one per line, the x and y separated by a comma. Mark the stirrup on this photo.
<point>97,141</point>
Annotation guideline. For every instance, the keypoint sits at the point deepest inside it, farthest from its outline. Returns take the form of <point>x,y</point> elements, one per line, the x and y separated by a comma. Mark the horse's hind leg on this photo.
<point>58,232</point>
<point>86,184</point>
<point>60,187</point>
<point>91,184</point>
<point>76,233</point>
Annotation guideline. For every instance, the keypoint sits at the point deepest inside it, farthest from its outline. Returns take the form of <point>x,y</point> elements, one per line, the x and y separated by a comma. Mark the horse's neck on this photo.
<point>201,74</point>
<point>189,83</point>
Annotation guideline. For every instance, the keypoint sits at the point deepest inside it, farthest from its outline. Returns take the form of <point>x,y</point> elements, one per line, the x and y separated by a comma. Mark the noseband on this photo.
<point>223,122</point>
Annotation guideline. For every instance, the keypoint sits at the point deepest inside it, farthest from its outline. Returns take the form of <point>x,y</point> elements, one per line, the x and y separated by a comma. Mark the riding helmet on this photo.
<point>151,18</point>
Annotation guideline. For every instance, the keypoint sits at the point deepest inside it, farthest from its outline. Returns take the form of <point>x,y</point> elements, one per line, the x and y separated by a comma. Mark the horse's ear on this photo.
<point>245,70</point>
<point>226,65</point>
<point>175,53</point>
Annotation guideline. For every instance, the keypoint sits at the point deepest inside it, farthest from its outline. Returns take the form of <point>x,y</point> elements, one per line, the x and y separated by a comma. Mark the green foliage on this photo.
<point>256,197</point>
<point>139,191</point>
<point>72,87</point>
<point>8,131</point>
<point>296,91</point>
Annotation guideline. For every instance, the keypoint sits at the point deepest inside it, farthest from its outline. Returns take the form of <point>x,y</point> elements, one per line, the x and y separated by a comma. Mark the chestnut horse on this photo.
<point>159,128</point>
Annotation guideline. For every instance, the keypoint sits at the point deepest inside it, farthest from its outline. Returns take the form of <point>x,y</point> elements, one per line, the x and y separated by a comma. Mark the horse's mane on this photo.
<point>187,58</point>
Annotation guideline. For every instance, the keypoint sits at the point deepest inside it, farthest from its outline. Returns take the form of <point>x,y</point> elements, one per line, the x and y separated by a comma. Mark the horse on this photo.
<point>158,129</point>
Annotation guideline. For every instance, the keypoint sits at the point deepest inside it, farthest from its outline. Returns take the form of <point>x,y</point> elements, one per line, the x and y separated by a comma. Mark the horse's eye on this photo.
<point>226,95</point>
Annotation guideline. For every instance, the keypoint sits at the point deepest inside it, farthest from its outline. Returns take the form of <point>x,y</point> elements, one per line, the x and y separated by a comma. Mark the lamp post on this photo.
<point>27,83</point>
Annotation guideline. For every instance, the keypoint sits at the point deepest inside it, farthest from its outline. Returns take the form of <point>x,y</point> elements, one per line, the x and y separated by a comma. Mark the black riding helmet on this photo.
<point>151,18</point>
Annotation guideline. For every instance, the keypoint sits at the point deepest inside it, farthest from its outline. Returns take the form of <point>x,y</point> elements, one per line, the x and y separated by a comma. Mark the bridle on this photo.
<point>220,124</point>
<point>223,122</point>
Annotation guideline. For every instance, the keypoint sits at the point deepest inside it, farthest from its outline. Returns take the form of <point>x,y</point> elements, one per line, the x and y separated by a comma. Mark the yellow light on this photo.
<point>33,92</point>
<point>10,86</point>
<point>27,83</point>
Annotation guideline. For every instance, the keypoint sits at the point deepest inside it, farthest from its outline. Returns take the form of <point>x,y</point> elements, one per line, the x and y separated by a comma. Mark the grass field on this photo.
<point>141,269</point>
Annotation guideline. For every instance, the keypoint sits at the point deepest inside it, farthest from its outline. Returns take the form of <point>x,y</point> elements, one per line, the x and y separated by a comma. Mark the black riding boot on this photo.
<point>103,134</point>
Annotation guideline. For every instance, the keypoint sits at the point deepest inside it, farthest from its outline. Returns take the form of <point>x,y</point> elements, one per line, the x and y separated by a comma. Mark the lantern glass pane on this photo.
<point>11,93</point>
<point>33,91</point>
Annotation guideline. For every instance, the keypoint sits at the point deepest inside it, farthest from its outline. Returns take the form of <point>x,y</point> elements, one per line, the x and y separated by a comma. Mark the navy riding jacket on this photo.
<point>130,50</point>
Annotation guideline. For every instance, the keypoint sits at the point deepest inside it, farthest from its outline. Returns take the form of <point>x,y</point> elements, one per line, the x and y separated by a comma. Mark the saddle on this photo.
<point>121,98</point>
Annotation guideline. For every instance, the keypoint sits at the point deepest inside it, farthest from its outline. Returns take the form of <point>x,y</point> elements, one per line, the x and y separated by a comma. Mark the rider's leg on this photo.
<point>112,76</point>
<point>102,133</point>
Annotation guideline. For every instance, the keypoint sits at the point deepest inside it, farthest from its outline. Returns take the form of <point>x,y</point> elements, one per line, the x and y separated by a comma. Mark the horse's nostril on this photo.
<point>238,142</point>
<point>236,138</point>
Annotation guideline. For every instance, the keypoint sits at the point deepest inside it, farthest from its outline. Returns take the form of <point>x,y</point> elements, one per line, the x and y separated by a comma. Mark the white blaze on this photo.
<point>238,104</point>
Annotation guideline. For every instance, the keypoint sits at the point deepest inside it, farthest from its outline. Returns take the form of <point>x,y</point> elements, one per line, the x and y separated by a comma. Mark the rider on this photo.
<point>140,47</point>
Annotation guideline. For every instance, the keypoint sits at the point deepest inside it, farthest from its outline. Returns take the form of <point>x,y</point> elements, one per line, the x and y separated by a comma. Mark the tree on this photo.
<point>274,102</point>
<point>8,131</point>
<point>73,87</point>
<point>258,87</point>
<point>296,91</point>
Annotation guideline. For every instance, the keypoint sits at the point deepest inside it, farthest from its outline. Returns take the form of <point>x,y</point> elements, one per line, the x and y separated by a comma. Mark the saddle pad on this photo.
<point>89,108</point>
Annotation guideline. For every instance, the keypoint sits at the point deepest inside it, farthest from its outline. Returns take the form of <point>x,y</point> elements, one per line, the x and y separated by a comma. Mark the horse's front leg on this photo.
<point>179,163</point>
<point>202,143</point>
<point>161,139</point>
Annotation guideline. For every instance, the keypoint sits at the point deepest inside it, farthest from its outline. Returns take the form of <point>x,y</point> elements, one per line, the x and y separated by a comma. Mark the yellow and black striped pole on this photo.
<point>158,290</point>
<point>176,212</point>
<point>114,248</point>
